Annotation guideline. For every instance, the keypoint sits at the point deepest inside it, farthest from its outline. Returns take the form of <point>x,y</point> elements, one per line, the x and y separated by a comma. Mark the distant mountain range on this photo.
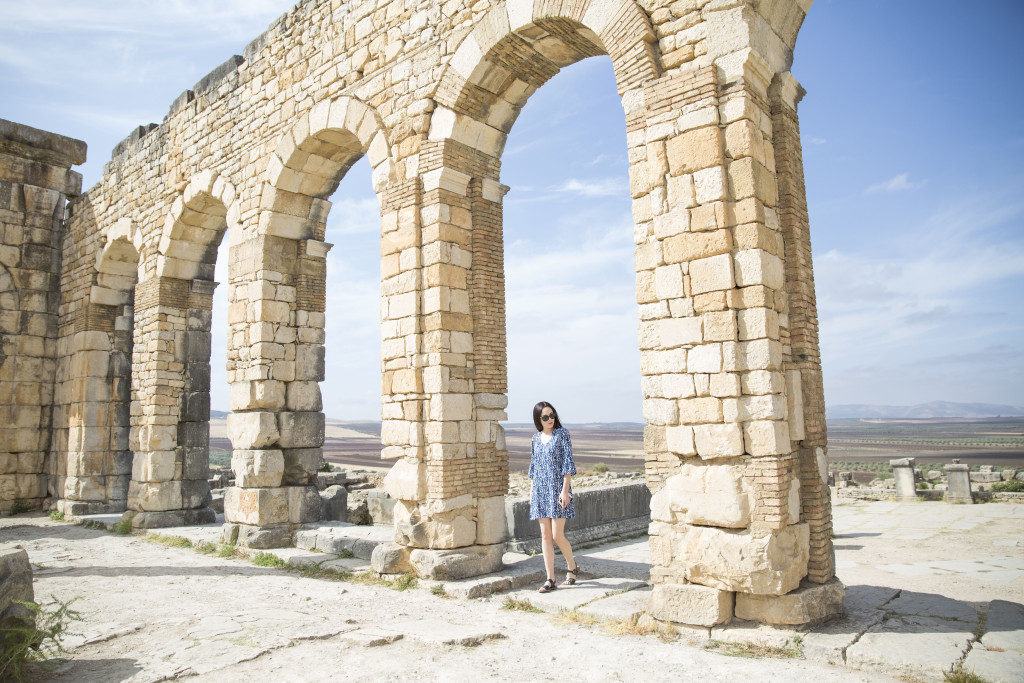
<point>935,409</point>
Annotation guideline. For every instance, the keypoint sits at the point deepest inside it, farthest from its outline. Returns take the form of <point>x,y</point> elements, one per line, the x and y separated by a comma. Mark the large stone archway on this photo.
<point>731,378</point>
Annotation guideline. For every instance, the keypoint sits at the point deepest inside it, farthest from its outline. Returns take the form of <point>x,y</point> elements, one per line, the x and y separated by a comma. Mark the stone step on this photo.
<point>342,538</point>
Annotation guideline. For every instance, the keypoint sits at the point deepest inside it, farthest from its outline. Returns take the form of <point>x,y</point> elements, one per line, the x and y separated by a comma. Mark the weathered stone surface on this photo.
<point>334,504</point>
<point>765,562</point>
<point>407,480</point>
<point>491,523</point>
<point>256,469</point>
<point>391,558</point>
<point>811,603</point>
<point>444,523</point>
<point>713,495</point>
<point>15,586</point>
<point>461,563</point>
<point>690,604</point>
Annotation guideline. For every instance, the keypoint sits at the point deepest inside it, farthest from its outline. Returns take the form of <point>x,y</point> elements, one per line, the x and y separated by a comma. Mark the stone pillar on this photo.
<point>958,484</point>
<point>906,483</point>
<point>275,364</point>
<point>166,487</point>
<point>450,378</point>
<point>35,180</point>
<point>730,456</point>
<point>805,396</point>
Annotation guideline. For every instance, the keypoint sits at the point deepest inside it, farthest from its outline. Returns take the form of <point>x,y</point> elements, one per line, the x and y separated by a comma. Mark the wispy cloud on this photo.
<point>600,187</point>
<point>816,141</point>
<point>350,216</point>
<point>896,184</point>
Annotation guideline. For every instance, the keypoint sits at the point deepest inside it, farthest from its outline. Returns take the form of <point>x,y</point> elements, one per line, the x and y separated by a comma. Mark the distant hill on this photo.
<point>935,409</point>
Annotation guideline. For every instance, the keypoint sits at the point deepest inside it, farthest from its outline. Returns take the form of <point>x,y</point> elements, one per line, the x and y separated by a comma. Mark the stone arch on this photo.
<point>195,226</point>
<point>310,160</point>
<point>519,45</point>
<point>117,264</point>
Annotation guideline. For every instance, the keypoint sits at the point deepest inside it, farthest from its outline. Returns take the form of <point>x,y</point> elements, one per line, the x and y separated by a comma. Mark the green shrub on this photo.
<point>35,642</point>
<point>326,467</point>
<point>269,560</point>
<point>1012,486</point>
<point>56,515</point>
<point>18,506</point>
<point>599,468</point>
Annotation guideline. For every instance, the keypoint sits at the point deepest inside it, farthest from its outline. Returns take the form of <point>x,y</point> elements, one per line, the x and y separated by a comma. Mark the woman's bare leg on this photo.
<point>563,545</point>
<point>547,546</point>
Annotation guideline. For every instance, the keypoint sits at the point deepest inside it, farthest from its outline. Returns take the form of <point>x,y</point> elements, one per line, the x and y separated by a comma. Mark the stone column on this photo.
<point>166,487</point>
<point>906,483</point>
<point>958,484</point>
<point>450,377</point>
<point>35,180</point>
<point>723,407</point>
<point>275,364</point>
<point>805,396</point>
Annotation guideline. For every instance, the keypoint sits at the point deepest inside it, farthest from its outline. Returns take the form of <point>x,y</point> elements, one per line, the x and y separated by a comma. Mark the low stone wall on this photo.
<point>869,493</point>
<point>15,585</point>
<point>600,513</point>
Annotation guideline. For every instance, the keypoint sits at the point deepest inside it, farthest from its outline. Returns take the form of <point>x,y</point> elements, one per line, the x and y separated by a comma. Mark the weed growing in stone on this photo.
<point>37,641</point>
<point>754,650</point>
<point>56,515</point>
<point>269,560</point>
<point>123,528</point>
<point>226,550</point>
<point>403,582</point>
<point>519,605</point>
<point>399,583</point>
<point>574,616</point>
<point>169,541</point>
<point>640,625</point>
<point>960,675</point>
<point>439,591</point>
<point>312,571</point>
<point>205,547</point>
<point>18,506</point>
<point>345,554</point>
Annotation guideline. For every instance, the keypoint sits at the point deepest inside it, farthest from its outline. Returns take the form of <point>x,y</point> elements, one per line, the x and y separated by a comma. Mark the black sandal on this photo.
<point>548,586</point>
<point>571,575</point>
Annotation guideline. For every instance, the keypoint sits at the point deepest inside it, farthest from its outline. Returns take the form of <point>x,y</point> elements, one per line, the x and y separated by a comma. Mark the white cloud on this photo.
<point>350,216</point>
<point>816,141</point>
<point>601,187</point>
<point>896,184</point>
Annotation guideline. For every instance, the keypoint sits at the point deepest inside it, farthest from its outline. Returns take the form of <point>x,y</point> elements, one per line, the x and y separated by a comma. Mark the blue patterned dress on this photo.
<point>549,463</point>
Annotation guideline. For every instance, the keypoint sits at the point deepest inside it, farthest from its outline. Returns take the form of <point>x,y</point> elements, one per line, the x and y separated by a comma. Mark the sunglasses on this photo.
<point>545,418</point>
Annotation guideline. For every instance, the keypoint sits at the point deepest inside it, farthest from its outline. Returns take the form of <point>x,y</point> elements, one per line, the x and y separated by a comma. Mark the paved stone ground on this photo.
<point>924,581</point>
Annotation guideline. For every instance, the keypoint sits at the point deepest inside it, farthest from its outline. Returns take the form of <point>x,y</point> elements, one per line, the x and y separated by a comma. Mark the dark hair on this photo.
<point>538,409</point>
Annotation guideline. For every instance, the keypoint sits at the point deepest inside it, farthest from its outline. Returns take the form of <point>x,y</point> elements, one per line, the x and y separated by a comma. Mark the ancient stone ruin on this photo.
<point>105,295</point>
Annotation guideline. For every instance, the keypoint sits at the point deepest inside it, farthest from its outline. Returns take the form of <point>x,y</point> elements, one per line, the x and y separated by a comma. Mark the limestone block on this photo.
<point>793,501</point>
<point>700,410</point>
<point>660,411</point>
<point>668,282</point>
<point>670,333</point>
<point>155,497</point>
<point>760,354</point>
<point>765,407</point>
<point>156,437</point>
<point>712,495</point>
<point>725,384</point>
<point>706,358</point>
<point>718,440</point>
<point>766,563</point>
<point>301,465</point>
<point>309,362</point>
<point>694,150</point>
<point>449,407</point>
<point>709,184</point>
<point>15,585</point>
<point>711,274</point>
<point>690,604</point>
<point>680,440</point>
<point>407,480</point>
<point>810,604</point>
<point>304,397</point>
<point>301,430</point>
<point>677,385</point>
<point>303,504</point>
<point>758,267</point>
<point>154,466</point>
<point>252,430</point>
<point>257,537</point>
<point>391,558</point>
<point>767,437</point>
<point>257,468</point>
<point>258,507</point>
<point>461,563</point>
<point>436,523</point>
<point>491,524</point>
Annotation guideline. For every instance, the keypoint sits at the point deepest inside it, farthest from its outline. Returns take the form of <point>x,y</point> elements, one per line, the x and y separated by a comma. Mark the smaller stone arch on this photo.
<point>117,264</point>
<point>195,227</point>
<point>312,158</point>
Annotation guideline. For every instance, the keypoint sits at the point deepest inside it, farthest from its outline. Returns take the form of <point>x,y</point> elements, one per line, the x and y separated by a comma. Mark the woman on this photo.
<point>551,496</point>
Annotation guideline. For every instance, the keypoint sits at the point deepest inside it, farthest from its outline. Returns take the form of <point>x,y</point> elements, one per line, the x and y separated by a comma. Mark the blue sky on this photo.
<point>912,134</point>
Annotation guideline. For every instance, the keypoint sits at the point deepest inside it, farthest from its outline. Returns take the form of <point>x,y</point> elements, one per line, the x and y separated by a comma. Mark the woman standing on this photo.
<point>551,496</point>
